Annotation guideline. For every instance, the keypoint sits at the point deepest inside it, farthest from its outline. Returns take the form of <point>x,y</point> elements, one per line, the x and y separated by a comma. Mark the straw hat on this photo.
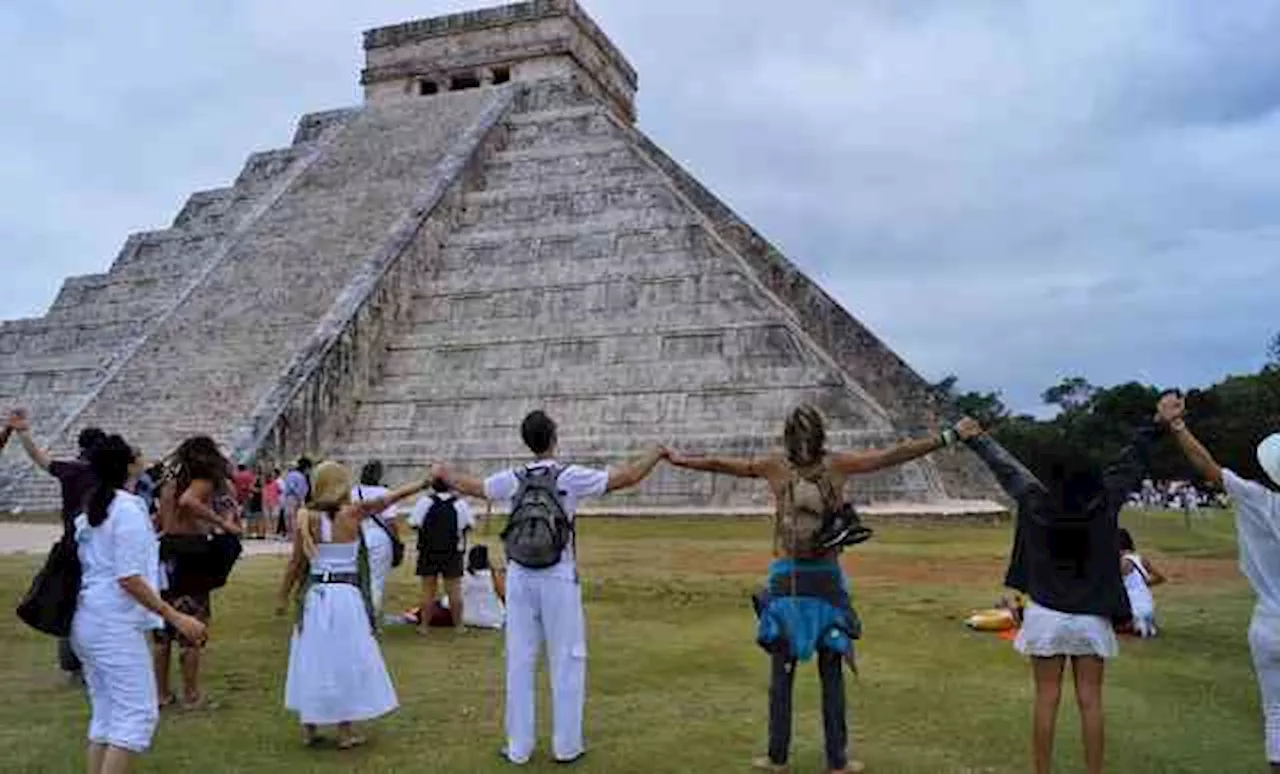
<point>330,487</point>
<point>1269,456</point>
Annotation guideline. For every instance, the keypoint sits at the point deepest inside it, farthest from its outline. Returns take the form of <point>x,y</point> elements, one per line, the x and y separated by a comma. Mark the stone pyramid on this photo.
<point>488,233</point>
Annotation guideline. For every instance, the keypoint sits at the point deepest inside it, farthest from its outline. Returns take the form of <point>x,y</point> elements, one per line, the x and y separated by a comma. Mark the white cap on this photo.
<point>1269,456</point>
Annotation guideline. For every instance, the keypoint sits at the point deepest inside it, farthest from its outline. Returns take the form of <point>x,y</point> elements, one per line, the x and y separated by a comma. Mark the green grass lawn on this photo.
<point>676,683</point>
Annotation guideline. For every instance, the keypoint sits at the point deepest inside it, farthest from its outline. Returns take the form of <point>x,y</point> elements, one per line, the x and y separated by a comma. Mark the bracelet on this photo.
<point>948,437</point>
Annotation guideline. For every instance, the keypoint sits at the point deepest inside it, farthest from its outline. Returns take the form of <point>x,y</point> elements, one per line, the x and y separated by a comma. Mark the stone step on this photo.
<point>552,127</point>
<point>455,378</point>
<point>617,440</point>
<point>205,209</point>
<point>609,222</point>
<point>523,332</point>
<point>765,343</point>
<point>625,247</point>
<point>81,360</point>
<point>533,206</point>
<point>313,125</point>
<point>573,112</point>
<point>598,182</point>
<point>585,150</point>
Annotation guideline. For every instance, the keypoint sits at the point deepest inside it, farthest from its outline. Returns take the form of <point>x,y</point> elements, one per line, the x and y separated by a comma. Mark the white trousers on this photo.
<point>1264,644</point>
<point>545,607</point>
<point>121,681</point>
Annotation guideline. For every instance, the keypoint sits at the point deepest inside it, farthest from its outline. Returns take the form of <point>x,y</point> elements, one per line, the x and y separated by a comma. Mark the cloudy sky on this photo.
<point>1009,191</point>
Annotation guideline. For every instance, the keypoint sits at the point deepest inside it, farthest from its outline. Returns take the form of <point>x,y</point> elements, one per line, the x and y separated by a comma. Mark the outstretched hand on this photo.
<point>968,428</point>
<point>18,421</point>
<point>1171,408</point>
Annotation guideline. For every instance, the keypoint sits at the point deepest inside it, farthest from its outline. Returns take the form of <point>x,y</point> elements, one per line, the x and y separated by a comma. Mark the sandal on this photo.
<point>168,702</point>
<point>202,704</point>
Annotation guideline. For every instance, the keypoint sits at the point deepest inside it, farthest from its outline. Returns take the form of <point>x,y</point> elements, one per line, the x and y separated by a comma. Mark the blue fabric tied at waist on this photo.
<point>806,607</point>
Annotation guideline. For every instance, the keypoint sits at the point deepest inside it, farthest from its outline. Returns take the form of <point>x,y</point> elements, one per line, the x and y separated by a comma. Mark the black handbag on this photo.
<point>50,602</point>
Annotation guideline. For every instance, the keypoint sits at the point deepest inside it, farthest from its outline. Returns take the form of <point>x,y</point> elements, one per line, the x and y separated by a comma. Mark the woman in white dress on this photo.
<point>336,672</point>
<point>1139,576</point>
<point>117,607</point>
<point>378,530</point>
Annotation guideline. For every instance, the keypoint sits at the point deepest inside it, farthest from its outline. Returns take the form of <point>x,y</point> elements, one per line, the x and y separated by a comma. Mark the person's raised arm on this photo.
<point>1172,410</point>
<point>1012,475</point>
<point>852,463</point>
<point>729,466</point>
<point>193,500</point>
<point>460,482</point>
<point>631,473</point>
<point>19,423</point>
<point>379,504</point>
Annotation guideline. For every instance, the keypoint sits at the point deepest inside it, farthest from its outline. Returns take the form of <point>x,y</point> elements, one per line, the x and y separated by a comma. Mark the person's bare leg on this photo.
<point>189,658</point>
<point>94,757</point>
<point>453,588</point>
<point>429,589</point>
<point>116,761</point>
<point>1088,672</point>
<point>162,656</point>
<point>1047,673</point>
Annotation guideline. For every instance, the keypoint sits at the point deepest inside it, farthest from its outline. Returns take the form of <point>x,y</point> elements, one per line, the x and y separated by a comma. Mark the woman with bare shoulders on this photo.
<point>195,503</point>
<point>807,608</point>
<point>336,672</point>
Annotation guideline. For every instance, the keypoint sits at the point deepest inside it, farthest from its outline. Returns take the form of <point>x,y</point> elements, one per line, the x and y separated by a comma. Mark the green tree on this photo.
<point>1071,394</point>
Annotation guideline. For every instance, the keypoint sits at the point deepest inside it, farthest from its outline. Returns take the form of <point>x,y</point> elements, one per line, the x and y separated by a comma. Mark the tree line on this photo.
<point>1094,423</point>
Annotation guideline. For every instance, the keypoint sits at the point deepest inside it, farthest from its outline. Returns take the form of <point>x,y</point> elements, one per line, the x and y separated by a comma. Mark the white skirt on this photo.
<point>336,671</point>
<point>1046,633</point>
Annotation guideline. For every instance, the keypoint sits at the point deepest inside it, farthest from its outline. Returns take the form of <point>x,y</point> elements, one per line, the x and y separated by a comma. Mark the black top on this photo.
<point>77,481</point>
<point>1069,562</point>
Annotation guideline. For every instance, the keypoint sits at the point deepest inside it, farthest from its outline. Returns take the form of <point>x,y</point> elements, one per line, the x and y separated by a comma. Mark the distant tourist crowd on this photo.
<point>150,546</point>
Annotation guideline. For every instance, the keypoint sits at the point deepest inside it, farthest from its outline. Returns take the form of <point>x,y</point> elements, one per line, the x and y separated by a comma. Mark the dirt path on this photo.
<point>36,538</point>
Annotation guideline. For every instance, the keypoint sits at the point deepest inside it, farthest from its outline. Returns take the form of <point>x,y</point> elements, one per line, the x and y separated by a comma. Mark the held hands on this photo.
<point>1172,409</point>
<point>18,421</point>
<point>968,428</point>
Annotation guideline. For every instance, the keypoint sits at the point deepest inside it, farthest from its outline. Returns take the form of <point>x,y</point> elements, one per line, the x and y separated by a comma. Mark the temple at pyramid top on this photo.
<point>525,42</point>
<point>487,233</point>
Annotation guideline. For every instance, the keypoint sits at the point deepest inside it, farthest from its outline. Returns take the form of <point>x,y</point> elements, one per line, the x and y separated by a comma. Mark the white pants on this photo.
<point>121,681</point>
<point>1264,643</point>
<point>545,607</point>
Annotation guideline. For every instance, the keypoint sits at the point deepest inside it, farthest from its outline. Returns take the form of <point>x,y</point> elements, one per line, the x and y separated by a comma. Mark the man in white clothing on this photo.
<point>544,604</point>
<point>1258,532</point>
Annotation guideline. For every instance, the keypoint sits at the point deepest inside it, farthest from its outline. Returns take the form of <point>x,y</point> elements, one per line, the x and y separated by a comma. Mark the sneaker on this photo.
<point>573,760</point>
<point>842,533</point>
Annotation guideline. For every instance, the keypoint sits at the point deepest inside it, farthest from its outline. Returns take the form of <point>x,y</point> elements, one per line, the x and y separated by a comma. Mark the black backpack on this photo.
<point>538,529</point>
<point>438,535</point>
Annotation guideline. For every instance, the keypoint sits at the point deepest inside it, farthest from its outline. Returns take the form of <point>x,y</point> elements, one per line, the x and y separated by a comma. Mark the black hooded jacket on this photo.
<point>1067,558</point>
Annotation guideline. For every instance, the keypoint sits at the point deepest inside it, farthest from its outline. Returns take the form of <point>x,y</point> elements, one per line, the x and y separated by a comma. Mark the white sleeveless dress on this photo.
<point>481,608</point>
<point>336,672</point>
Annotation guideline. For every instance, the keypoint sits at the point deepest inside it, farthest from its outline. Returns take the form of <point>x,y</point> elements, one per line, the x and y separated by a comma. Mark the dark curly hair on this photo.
<point>805,436</point>
<point>198,457</point>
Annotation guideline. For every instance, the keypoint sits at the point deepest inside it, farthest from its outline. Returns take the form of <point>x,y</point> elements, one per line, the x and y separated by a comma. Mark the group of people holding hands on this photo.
<point>1067,540</point>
